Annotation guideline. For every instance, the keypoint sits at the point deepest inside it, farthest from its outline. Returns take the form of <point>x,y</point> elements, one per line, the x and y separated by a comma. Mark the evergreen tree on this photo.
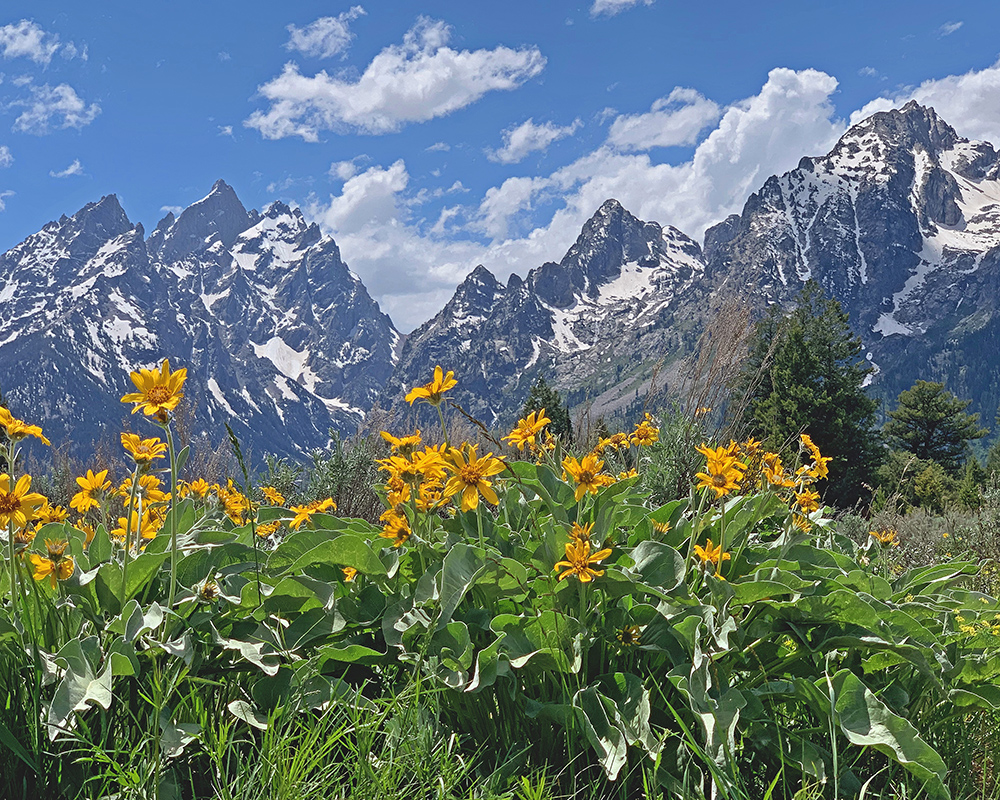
<point>805,374</point>
<point>544,396</point>
<point>930,422</point>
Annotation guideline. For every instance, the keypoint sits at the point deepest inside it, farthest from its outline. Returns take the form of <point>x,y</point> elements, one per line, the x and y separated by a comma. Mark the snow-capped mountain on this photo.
<point>900,222</point>
<point>587,323</point>
<point>280,339</point>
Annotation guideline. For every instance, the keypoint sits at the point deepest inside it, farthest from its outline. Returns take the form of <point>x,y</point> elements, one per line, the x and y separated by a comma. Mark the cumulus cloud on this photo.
<point>676,119</point>
<point>611,7</point>
<point>528,137</point>
<point>53,107</point>
<point>326,37</point>
<point>175,210</point>
<point>6,158</point>
<point>76,168</point>
<point>26,39</point>
<point>949,28</point>
<point>966,102</point>
<point>3,196</point>
<point>416,81</point>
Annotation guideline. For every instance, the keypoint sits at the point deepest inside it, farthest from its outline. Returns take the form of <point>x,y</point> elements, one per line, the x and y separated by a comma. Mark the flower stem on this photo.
<point>444,428</point>
<point>128,534</point>
<point>173,516</point>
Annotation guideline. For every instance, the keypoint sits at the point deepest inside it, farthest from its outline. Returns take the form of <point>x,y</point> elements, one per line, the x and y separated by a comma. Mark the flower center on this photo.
<point>719,480</point>
<point>9,503</point>
<point>471,474</point>
<point>586,476</point>
<point>158,395</point>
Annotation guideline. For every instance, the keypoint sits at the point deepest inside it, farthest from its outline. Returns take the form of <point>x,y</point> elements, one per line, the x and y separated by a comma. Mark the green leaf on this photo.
<point>243,710</point>
<point>10,741</point>
<point>349,654</point>
<point>659,565</point>
<point>606,738</point>
<point>551,640</point>
<point>345,550</point>
<point>867,721</point>
<point>462,566</point>
<point>80,686</point>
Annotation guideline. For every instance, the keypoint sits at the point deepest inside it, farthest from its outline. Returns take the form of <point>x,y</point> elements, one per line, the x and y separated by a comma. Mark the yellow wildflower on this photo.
<point>628,636</point>
<point>711,554</point>
<point>396,528</point>
<point>579,559</point>
<point>56,565</point>
<point>724,471</point>
<point>433,392</point>
<point>470,475</point>
<point>403,445</point>
<point>586,474</point>
<point>581,533</point>
<point>18,505</point>
<point>304,513</point>
<point>265,529</point>
<point>143,451</point>
<point>350,573</point>
<point>645,433</point>
<point>159,391</point>
<point>527,429</point>
<point>17,429</point>
<point>274,497</point>
<point>889,538</point>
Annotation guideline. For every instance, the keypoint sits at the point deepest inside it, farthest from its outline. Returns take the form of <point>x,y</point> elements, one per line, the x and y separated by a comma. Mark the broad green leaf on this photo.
<point>659,565</point>
<point>867,721</point>
<point>346,550</point>
<point>462,566</point>
<point>552,640</point>
<point>606,738</point>
<point>243,710</point>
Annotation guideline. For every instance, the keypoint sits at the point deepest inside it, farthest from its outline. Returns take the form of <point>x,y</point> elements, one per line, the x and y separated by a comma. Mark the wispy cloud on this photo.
<point>26,39</point>
<point>868,72</point>
<point>442,147</point>
<point>76,168</point>
<point>3,196</point>
<point>175,210</point>
<point>527,138</point>
<point>676,119</point>
<point>53,107</point>
<point>222,55</point>
<point>326,37</point>
<point>609,8</point>
<point>416,81</point>
<point>6,158</point>
<point>949,28</point>
<point>225,130</point>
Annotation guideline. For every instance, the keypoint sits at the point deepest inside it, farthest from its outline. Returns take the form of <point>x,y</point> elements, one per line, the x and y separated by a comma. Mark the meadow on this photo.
<point>498,618</point>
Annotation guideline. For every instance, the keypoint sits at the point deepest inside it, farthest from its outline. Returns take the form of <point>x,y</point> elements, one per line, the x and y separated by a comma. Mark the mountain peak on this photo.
<point>219,216</point>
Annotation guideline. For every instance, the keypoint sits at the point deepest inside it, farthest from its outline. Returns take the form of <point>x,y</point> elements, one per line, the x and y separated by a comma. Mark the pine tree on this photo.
<point>930,422</point>
<point>544,396</point>
<point>805,374</point>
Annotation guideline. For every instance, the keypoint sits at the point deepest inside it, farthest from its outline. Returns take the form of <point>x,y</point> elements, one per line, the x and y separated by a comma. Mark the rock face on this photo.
<point>900,222</point>
<point>279,338</point>
<point>587,322</point>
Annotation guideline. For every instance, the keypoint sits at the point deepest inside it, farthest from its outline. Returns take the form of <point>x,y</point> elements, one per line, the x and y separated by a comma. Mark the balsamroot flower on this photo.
<point>710,554</point>
<point>17,429</point>
<point>586,474</point>
<point>404,444</point>
<point>527,429</point>
<point>18,505</point>
<point>143,451</point>
<point>56,565</point>
<point>304,513</point>
<point>159,391</point>
<point>396,528</point>
<point>433,392</point>
<point>579,559</point>
<point>723,471</point>
<point>272,495</point>
<point>470,474</point>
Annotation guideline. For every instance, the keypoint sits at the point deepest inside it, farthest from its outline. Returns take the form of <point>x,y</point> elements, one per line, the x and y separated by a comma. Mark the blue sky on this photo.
<point>430,137</point>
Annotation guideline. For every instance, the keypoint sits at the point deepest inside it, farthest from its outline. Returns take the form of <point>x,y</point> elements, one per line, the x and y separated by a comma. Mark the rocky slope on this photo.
<point>280,339</point>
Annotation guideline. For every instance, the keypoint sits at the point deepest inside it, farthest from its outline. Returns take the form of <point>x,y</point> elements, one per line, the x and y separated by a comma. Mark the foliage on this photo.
<point>544,396</point>
<point>729,643</point>
<point>931,423</point>
<point>805,373</point>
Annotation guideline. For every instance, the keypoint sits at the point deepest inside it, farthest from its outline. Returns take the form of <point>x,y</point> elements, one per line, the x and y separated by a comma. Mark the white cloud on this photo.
<point>326,37</point>
<point>3,196</point>
<point>225,130</point>
<point>25,39</point>
<point>528,137</point>
<point>6,158</point>
<point>175,210</point>
<point>969,102</point>
<point>442,147</point>
<point>345,170</point>
<point>413,82</point>
<point>611,7</point>
<point>222,55</point>
<point>673,120</point>
<point>76,168</point>
<point>949,28</point>
<point>868,72</point>
<point>54,106</point>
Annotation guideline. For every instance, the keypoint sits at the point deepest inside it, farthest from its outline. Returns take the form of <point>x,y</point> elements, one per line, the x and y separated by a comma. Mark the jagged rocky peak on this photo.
<point>217,217</point>
<point>479,291</point>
